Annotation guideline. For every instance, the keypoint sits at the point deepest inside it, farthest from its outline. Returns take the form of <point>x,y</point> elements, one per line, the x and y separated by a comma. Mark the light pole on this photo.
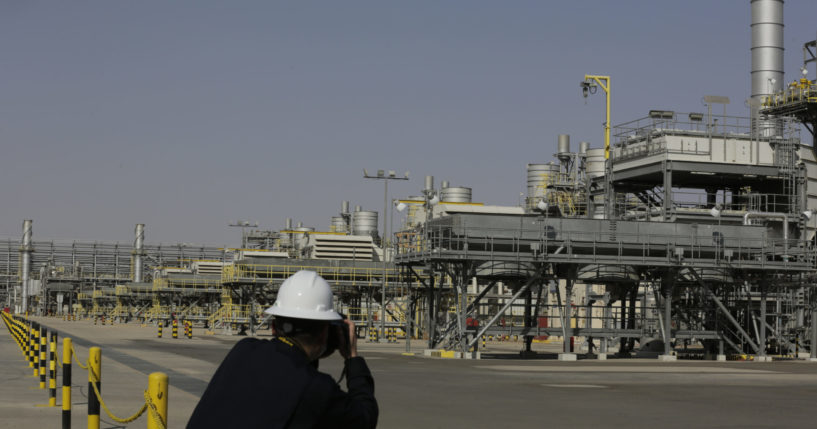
<point>589,86</point>
<point>381,175</point>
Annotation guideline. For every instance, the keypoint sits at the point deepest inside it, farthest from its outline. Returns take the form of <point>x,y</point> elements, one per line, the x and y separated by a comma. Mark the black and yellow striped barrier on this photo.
<point>159,333</point>
<point>52,371</point>
<point>33,341</point>
<point>175,329</point>
<point>43,334</point>
<point>67,351</point>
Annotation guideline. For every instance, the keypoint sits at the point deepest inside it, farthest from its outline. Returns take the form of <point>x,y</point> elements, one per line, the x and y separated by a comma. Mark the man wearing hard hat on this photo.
<point>276,384</point>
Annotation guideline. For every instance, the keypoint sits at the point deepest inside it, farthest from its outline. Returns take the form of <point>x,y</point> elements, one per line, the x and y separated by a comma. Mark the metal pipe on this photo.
<point>138,251</point>
<point>25,265</point>
<point>769,215</point>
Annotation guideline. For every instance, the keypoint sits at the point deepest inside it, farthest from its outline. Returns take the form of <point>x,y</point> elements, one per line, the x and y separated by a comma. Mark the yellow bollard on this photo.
<point>175,329</point>
<point>35,350</point>
<point>52,371</point>
<point>43,351</point>
<point>160,329</point>
<point>32,345</point>
<point>66,383</point>
<point>157,400</point>
<point>94,377</point>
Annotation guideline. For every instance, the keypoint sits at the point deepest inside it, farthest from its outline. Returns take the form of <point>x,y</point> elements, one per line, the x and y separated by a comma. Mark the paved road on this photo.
<point>416,392</point>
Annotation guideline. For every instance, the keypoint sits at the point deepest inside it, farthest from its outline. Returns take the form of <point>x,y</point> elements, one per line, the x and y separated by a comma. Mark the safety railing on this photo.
<point>40,350</point>
<point>355,276</point>
<point>802,91</point>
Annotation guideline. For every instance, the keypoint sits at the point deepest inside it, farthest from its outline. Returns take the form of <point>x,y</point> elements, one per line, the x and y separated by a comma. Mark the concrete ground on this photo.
<point>417,392</point>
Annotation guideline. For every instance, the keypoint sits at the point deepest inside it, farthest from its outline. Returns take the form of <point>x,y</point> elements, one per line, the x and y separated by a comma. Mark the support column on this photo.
<point>606,324</point>
<point>762,328</point>
<point>813,351</point>
<point>25,264</point>
<point>666,209</point>
<point>463,310</point>
<point>528,319</point>
<point>622,341</point>
<point>668,284</point>
<point>567,328</point>
<point>409,310</point>
<point>432,318</point>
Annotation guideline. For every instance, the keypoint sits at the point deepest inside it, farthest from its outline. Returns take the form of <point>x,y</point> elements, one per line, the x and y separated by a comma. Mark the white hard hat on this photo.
<point>304,295</point>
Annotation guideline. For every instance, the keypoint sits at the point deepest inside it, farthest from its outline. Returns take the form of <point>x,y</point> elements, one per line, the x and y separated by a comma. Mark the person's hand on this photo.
<point>348,350</point>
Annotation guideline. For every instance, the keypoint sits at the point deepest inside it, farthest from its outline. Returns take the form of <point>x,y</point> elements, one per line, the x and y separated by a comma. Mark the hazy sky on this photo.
<point>186,115</point>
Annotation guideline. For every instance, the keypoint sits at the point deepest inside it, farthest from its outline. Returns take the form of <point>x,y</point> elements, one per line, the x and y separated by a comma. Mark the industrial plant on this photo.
<point>679,235</point>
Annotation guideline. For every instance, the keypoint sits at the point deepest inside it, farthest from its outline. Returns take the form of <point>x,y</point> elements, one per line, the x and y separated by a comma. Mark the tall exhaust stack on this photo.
<point>767,58</point>
<point>25,263</point>
<point>138,251</point>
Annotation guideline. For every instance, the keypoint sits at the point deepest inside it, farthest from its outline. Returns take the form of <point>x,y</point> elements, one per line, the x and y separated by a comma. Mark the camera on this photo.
<point>334,342</point>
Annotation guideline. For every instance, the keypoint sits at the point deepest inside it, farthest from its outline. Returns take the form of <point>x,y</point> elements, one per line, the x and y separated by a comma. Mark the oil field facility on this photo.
<point>681,235</point>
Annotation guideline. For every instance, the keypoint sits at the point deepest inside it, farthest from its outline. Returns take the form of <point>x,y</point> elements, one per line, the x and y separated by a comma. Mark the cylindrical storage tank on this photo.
<point>456,194</point>
<point>595,164</point>
<point>284,241</point>
<point>444,184</point>
<point>563,146</point>
<point>539,176</point>
<point>583,147</point>
<point>429,183</point>
<point>364,222</point>
<point>299,236</point>
<point>415,213</point>
<point>344,207</point>
<point>338,224</point>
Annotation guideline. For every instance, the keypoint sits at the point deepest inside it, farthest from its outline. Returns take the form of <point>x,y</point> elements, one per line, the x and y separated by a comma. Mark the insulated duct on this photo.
<point>767,58</point>
<point>138,251</point>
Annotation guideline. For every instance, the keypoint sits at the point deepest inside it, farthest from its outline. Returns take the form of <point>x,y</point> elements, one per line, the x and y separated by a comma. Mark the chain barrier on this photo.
<point>105,407</point>
<point>148,406</point>
<point>76,357</point>
<point>154,413</point>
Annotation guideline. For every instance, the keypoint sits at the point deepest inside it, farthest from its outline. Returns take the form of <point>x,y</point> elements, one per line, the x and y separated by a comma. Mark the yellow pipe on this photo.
<point>460,204</point>
<point>157,397</point>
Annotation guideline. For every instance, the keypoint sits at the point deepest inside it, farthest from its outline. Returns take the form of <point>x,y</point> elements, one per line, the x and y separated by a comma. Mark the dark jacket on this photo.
<point>271,384</point>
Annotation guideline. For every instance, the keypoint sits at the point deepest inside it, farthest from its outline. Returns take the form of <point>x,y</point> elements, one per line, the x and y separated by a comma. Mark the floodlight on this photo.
<point>434,200</point>
<point>401,206</point>
<point>542,205</point>
<point>715,212</point>
<point>808,214</point>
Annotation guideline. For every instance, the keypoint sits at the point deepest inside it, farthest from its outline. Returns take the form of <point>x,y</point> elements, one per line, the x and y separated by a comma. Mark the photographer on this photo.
<point>276,384</point>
